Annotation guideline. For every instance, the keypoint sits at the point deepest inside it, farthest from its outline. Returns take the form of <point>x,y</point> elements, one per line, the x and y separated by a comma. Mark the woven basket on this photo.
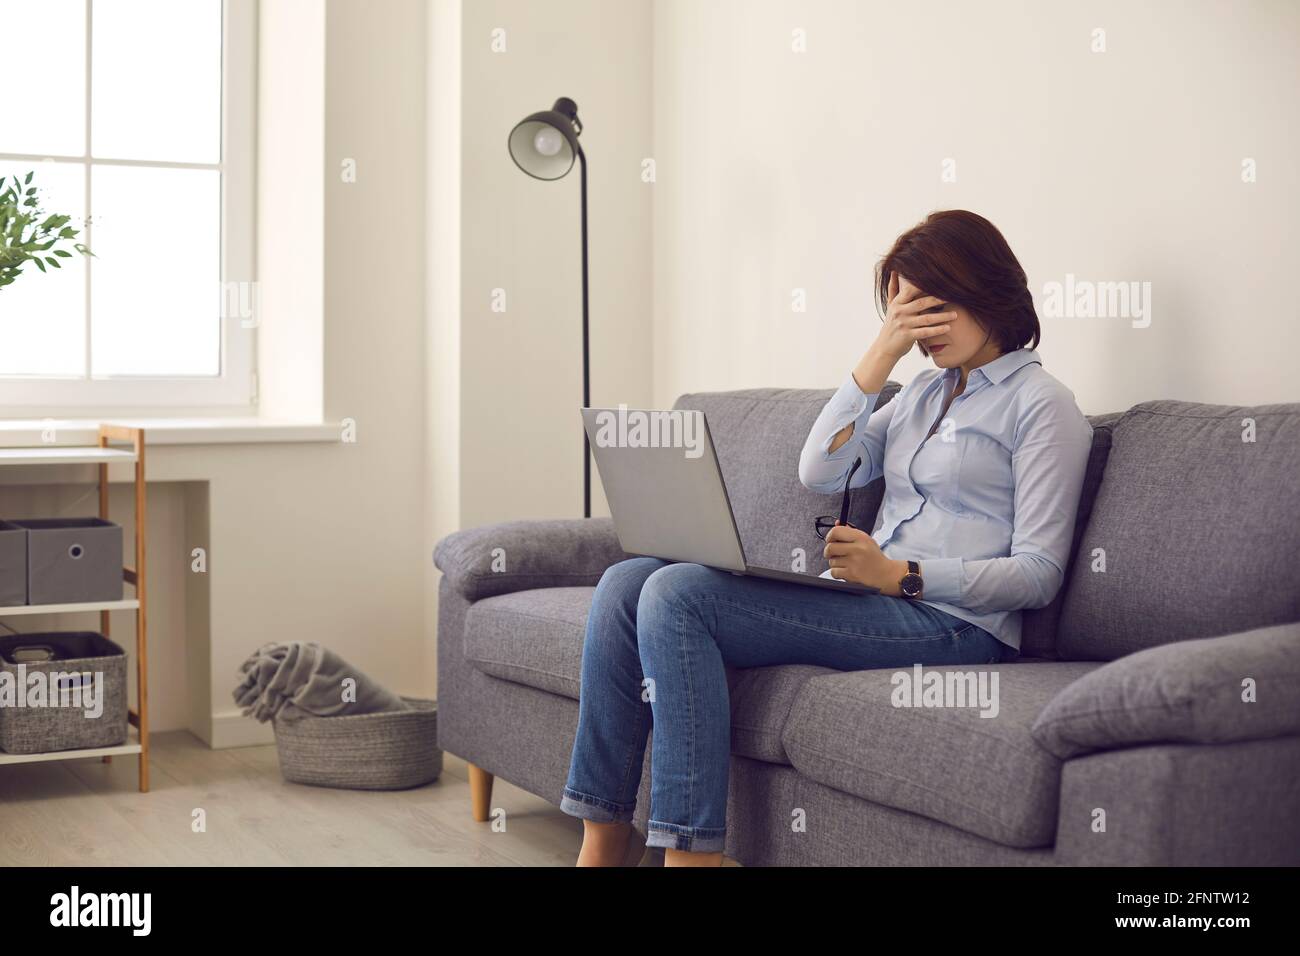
<point>363,752</point>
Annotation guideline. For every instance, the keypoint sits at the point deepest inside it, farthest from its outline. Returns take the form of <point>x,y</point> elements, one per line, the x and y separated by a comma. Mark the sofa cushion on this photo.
<point>1038,626</point>
<point>761,701</point>
<point>984,775</point>
<point>531,637</point>
<point>1192,692</point>
<point>535,638</point>
<point>759,434</point>
<point>1195,521</point>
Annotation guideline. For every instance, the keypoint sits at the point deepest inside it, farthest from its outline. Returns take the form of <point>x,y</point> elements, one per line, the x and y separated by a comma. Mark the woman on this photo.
<point>983,458</point>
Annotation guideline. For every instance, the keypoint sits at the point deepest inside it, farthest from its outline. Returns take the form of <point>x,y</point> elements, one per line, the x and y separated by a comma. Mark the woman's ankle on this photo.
<point>687,858</point>
<point>604,844</point>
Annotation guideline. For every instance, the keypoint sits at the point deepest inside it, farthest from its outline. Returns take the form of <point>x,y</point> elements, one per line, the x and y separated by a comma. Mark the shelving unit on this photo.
<point>102,455</point>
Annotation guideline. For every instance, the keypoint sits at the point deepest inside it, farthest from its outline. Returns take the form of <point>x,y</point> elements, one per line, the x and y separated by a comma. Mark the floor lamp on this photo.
<point>544,146</point>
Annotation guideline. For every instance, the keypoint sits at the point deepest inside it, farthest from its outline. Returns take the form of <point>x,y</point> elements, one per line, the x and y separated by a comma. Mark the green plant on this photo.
<point>27,237</point>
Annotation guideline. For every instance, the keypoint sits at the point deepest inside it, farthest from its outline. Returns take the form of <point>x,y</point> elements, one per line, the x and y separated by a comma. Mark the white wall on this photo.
<point>442,463</point>
<point>325,542</point>
<point>521,372</point>
<point>781,170</point>
<point>291,172</point>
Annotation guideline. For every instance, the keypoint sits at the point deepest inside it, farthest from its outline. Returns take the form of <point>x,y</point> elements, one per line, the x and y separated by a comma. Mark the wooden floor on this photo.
<point>87,813</point>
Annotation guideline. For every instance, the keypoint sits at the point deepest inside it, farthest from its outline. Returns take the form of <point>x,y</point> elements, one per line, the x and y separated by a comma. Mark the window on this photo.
<point>136,119</point>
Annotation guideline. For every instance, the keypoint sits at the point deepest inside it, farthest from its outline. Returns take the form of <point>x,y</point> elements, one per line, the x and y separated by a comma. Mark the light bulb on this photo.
<point>548,141</point>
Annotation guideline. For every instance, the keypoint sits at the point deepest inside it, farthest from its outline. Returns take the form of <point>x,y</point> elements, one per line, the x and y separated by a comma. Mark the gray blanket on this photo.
<point>286,681</point>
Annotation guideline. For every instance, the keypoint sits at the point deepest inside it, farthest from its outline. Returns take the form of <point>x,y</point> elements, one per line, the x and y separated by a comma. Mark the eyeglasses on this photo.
<point>826,522</point>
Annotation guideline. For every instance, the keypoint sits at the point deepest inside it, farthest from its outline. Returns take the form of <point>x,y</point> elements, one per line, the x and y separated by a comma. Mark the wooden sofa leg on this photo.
<point>480,792</point>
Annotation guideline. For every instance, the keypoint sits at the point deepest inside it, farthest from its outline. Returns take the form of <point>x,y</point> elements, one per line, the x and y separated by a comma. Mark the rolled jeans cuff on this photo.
<point>587,807</point>
<point>671,836</point>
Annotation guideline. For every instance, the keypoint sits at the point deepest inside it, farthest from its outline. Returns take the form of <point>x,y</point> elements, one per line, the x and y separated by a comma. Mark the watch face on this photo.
<point>910,585</point>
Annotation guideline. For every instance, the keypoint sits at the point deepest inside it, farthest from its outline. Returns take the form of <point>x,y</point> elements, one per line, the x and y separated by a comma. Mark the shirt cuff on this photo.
<point>852,400</point>
<point>848,405</point>
<point>942,581</point>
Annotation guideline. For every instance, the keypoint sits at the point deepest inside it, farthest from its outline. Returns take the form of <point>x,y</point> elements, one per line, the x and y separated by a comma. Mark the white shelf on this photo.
<point>65,455</point>
<point>132,746</point>
<point>130,604</point>
<point>220,430</point>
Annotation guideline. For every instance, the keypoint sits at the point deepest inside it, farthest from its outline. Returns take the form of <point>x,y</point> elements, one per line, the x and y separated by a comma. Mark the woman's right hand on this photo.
<point>906,321</point>
<point>904,326</point>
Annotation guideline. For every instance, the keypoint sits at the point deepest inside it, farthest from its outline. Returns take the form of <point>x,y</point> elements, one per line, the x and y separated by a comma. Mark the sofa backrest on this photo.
<point>1039,626</point>
<point>759,434</point>
<point>1195,530</point>
<point>1194,524</point>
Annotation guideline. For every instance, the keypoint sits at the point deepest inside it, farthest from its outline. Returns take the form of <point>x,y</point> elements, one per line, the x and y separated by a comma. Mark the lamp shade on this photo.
<point>545,144</point>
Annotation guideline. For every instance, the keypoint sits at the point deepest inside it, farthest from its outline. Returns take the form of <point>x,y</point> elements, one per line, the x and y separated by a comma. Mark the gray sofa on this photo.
<point>1153,716</point>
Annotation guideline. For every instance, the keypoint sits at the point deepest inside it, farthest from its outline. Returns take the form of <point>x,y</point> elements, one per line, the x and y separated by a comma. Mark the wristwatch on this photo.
<point>911,584</point>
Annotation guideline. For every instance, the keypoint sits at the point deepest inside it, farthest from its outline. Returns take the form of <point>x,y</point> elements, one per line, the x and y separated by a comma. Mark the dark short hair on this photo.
<point>962,259</point>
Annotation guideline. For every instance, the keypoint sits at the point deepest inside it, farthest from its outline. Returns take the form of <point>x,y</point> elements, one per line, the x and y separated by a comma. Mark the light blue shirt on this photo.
<point>987,504</point>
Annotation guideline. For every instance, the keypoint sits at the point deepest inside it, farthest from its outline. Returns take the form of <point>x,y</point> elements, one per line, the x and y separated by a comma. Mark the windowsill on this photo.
<point>26,433</point>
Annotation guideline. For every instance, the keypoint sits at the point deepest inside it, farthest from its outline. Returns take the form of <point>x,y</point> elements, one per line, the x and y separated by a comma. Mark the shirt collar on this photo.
<point>1002,366</point>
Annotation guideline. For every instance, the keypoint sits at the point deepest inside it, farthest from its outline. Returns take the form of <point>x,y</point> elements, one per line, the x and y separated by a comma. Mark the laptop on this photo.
<point>667,495</point>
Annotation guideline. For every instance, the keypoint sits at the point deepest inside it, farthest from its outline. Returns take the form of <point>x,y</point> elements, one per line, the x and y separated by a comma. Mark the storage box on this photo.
<point>61,691</point>
<point>13,564</point>
<point>73,560</point>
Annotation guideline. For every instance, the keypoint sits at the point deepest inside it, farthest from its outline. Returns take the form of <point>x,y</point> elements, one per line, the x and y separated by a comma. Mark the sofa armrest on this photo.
<point>1212,690</point>
<point>520,555</point>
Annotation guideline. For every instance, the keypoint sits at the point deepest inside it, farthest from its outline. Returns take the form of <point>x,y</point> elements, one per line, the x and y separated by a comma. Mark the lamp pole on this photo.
<point>544,145</point>
<point>586,351</point>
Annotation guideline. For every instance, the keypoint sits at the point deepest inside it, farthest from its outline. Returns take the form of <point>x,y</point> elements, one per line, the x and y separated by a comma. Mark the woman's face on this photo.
<point>963,344</point>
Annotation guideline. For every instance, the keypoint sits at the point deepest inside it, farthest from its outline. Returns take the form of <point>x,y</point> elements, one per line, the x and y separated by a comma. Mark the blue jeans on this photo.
<point>657,638</point>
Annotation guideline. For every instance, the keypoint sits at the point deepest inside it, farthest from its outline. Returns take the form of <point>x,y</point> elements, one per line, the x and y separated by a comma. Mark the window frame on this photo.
<point>234,389</point>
